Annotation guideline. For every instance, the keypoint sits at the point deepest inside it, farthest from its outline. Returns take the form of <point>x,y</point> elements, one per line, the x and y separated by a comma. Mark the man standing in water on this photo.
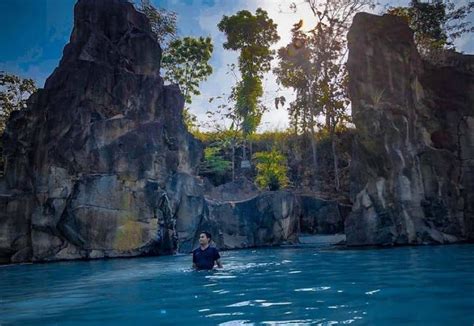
<point>206,256</point>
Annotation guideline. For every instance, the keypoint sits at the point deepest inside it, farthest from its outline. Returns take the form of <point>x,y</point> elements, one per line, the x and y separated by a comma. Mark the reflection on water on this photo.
<point>301,286</point>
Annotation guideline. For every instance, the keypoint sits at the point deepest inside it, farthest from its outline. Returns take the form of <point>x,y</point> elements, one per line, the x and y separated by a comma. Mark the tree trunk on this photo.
<point>312,123</point>
<point>233,160</point>
<point>251,150</point>
<point>336,163</point>
<point>313,145</point>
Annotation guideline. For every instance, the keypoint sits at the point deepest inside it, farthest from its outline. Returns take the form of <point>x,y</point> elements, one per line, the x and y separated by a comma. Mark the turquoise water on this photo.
<point>401,286</point>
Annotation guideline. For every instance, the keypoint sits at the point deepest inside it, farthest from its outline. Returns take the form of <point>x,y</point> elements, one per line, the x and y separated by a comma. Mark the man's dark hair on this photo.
<point>208,235</point>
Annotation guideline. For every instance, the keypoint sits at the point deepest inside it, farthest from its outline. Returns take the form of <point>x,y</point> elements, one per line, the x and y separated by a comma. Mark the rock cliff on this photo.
<point>100,163</point>
<point>412,178</point>
<point>88,161</point>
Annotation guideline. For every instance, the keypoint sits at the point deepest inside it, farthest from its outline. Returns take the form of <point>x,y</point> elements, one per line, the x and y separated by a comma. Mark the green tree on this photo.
<point>162,21</point>
<point>186,63</point>
<point>436,24</point>
<point>230,137</point>
<point>313,64</point>
<point>272,170</point>
<point>214,162</point>
<point>185,60</point>
<point>14,92</point>
<point>252,35</point>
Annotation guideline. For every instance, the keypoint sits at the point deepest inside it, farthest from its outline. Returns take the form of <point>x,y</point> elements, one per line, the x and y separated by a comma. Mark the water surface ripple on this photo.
<point>431,285</point>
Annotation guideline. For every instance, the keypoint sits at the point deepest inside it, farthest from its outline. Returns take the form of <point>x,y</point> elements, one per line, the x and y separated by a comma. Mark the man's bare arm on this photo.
<point>219,264</point>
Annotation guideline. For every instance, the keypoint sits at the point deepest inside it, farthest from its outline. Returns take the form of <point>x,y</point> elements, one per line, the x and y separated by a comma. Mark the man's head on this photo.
<point>204,238</point>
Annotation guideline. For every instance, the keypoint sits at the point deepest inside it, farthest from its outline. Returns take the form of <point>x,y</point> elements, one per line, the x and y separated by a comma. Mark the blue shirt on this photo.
<point>204,259</point>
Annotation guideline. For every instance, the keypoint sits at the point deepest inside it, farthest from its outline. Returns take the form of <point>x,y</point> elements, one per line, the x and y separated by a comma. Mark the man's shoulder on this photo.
<point>209,249</point>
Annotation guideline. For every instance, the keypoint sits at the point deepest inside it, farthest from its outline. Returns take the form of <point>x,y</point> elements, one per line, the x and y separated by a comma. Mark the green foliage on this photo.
<point>186,63</point>
<point>220,136</point>
<point>252,35</point>
<point>247,93</point>
<point>313,65</point>
<point>274,138</point>
<point>162,21</point>
<point>435,24</point>
<point>271,170</point>
<point>14,92</point>
<point>213,162</point>
<point>294,148</point>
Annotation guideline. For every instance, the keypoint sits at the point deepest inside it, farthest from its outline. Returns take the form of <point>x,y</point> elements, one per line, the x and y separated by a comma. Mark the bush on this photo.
<point>214,164</point>
<point>271,170</point>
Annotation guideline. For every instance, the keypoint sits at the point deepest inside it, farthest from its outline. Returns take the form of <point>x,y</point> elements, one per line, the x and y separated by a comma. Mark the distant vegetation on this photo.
<point>185,60</point>
<point>437,24</point>
<point>271,170</point>
<point>295,153</point>
<point>14,92</point>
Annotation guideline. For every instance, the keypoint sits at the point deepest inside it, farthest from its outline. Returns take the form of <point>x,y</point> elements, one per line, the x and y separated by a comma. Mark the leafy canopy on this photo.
<point>214,162</point>
<point>186,63</point>
<point>436,24</point>
<point>272,170</point>
<point>252,35</point>
<point>14,92</point>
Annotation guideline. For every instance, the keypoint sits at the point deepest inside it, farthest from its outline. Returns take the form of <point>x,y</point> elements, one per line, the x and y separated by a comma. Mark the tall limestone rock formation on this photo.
<point>87,162</point>
<point>100,164</point>
<point>412,178</point>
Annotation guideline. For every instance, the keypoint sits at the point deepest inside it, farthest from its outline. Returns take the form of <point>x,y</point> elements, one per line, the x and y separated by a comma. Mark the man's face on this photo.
<point>203,239</point>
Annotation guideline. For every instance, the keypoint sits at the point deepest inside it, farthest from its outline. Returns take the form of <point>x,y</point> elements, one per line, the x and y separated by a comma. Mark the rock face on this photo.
<point>100,163</point>
<point>237,190</point>
<point>88,161</point>
<point>264,219</point>
<point>412,178</point>
<point>321,216</point>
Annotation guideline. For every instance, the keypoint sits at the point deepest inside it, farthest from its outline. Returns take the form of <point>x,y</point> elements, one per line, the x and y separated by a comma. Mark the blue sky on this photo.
<point>34,32</point>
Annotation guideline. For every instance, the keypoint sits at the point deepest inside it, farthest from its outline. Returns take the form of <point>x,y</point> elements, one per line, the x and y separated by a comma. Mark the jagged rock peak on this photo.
<point>113,34</point>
